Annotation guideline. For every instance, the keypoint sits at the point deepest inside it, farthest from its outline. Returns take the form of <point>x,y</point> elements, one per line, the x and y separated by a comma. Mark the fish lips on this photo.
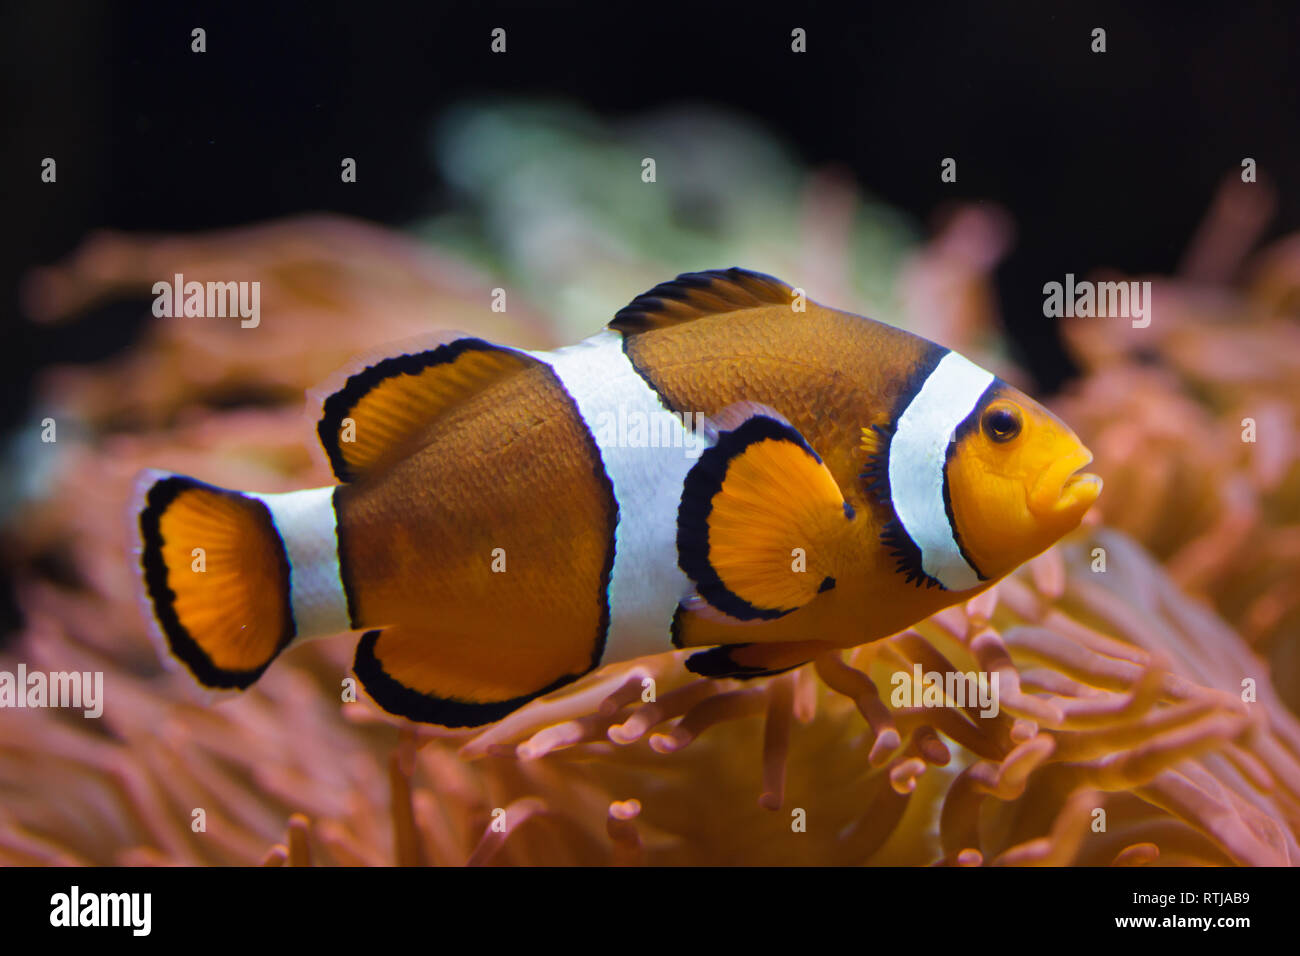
<point>1062,490</point>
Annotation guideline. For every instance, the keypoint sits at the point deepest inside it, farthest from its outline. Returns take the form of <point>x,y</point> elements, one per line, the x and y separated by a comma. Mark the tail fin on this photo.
<point>217,576</point>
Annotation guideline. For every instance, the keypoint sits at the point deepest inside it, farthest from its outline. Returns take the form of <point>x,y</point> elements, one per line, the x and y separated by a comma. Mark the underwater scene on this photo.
<point>661,496</point>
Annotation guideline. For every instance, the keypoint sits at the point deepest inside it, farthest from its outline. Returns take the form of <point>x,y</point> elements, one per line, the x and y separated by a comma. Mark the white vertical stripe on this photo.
<point>646,584</point>
<point>917,454</point>
<point>308,527</point>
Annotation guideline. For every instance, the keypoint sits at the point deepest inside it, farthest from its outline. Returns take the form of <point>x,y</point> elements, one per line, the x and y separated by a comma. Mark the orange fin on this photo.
<point>217,577</point>
<point>381,407</point>
<point>421,676</point>
<point>746,661</point>
<point>759,519</point>
<point>694,295</point>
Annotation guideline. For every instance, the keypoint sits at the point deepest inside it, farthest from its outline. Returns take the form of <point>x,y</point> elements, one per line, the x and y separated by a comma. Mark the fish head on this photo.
<point>1015,480</point>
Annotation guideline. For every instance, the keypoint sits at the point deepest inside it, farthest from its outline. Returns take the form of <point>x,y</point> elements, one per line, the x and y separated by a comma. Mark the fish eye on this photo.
<point>1001,423</point>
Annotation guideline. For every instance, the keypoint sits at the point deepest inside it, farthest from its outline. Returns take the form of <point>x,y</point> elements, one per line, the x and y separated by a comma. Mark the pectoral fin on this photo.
<point>761,519</point>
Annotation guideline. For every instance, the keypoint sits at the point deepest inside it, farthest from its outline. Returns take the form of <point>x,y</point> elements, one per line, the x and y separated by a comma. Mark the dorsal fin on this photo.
<point>377,407</point>
<point>693,295</point>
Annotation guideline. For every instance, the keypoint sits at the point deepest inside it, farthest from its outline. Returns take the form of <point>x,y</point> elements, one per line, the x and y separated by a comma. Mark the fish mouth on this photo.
<point>1063,489</point>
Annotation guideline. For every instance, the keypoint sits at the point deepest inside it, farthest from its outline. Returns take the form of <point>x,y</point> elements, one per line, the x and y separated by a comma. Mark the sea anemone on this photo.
<point>1195,425</point>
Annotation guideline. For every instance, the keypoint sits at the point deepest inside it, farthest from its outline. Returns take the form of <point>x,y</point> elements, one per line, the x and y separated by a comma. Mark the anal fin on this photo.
<point>439,679</point>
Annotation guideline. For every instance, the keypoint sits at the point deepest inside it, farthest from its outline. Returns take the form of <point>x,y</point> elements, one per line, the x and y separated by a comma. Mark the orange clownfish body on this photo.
<point>715,469</point>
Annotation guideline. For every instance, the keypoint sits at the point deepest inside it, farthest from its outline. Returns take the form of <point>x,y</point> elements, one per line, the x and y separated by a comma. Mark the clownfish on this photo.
<point>802,479</point>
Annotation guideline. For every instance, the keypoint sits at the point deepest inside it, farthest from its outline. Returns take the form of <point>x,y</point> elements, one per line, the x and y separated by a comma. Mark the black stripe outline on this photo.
<point>968,425</point>
<point>875,475</point>
<point>345,571</point>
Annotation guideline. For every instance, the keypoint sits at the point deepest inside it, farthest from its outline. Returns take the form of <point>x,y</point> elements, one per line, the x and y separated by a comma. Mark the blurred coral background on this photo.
<point>1122,688</point>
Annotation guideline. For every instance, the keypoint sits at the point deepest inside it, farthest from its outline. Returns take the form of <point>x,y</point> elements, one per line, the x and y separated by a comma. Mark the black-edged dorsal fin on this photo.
<point>371,411</point>
<point>694,295</point>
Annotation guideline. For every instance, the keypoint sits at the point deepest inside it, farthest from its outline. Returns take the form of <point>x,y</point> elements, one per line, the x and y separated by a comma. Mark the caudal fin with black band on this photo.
<point>216,577</point>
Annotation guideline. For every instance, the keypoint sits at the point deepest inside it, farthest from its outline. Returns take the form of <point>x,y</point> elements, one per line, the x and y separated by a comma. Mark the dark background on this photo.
<point>1102,160</point>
